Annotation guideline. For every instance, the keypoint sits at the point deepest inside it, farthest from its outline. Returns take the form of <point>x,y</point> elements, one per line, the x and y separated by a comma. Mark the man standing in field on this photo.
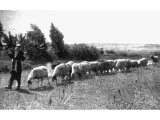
<point>17,56</point>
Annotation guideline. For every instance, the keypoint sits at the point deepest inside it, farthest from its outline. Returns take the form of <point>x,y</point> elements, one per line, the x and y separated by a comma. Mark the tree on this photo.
<point>1,29</point>
<point>10,40</point>
<point>36,35</point>
<point>36,45</point>
<point>1,32</point>
<point>57,41</point>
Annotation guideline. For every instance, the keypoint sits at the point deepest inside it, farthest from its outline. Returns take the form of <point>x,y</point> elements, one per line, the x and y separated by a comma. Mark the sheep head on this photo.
<point>29,83</point>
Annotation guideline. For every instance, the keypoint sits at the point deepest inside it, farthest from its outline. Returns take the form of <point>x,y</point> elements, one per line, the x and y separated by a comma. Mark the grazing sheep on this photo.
<point>111,65</point>
<point>94,67</point>
<point>85,67</point>
<point>80,69</point>
<point>69,65</point>
<point>142,62</point>
<point>133,64</point>
<point>155,59</point>
<point>123,64</point>
<point>62,70</point>
<point>106,65</point>
<point>101,67</point>
<point>76,70</point>
<point>38,73</point>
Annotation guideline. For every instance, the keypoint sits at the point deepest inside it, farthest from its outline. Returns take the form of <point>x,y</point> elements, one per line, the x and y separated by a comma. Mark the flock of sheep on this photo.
<point>71,70</point>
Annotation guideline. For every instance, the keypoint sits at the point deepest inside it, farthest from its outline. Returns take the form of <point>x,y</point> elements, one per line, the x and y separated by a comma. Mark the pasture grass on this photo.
<point>139,89</point>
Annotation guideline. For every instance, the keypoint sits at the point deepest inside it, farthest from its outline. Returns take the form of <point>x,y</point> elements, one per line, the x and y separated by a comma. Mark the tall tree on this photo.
<point>36,35</point>
<point>1,29</point>
<point>36,47</point>
<point>1,33</point>
<point>57,41</point>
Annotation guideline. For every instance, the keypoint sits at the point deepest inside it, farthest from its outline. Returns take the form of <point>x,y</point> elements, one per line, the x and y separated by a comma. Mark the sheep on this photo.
<point>94,67</point>
<point>85,67</point>
<point>114,65</point>
<point>134,64</point>
<point>62,70</point>
<point>111,65</point>
<point>38,73</point>
<point>80,69</point>
<point>155,59</point>
<point>76,70</point>
<point>106,65</point>
<point>123,64</point>
<point>101,66</point>
<point>142,62</point>
<point>69,65</point>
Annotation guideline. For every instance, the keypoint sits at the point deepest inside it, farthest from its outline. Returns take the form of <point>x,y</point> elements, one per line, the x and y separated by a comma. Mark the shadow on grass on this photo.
<point>43,88</point>
<point>81,78</point>
<point>128,71</point>
<point>65,83</point>
<point>147,68</point>
<point>24,91</point>
<point>110,74</point>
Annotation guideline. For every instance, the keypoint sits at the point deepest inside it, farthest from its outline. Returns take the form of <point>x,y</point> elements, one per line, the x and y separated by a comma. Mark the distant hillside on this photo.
<point>105,46</point>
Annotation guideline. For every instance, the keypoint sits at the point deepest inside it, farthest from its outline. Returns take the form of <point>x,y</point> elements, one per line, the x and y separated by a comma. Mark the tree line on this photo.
<point>38,49</point>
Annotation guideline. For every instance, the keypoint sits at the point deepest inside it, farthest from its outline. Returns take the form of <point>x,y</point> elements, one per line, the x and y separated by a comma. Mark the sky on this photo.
<point>94,26</point>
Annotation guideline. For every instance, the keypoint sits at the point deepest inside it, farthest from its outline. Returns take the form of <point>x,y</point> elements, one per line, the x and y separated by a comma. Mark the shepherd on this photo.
<point>17,56</point>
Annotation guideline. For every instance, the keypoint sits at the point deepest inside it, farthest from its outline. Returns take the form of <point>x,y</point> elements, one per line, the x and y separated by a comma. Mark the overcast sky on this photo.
<point>135,27</point>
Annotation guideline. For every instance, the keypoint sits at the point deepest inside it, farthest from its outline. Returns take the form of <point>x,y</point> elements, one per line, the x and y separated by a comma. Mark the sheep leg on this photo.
<point>56,81</point>
<point>38,83</point>
<point>41,82</point>
<point>54,78</point>
<point>49,82</point>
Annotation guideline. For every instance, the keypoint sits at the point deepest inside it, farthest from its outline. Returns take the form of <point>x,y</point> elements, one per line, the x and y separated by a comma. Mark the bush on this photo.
<point>156,53</point>
<point>50,56</point>
<point>110,52</point>
<point>5,69</point>
<point>127,54</point>
<point>123,54</point>
<point>84,52</point>
<point>67,51</point>
<point>101,51</point>
<point>5,66</point>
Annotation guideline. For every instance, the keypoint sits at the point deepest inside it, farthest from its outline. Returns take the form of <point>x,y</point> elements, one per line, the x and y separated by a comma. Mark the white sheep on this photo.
<point>94,67</point>
<point>123,64</point>
<point>39,73</point>
<point>69,65</point>
<point>155,59</point>
<point>85,67</point>
<point>76,70</point>
<point>134,64</point>
<point>62,70</point>
<point>80,69</point>
<point>142,62</point>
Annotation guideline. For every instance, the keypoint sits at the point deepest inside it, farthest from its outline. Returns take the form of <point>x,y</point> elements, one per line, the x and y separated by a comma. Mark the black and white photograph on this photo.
<point>79,59</point>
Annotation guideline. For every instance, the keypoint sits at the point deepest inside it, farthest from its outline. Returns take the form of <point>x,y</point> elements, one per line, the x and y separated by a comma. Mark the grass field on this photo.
<point>138,89</point>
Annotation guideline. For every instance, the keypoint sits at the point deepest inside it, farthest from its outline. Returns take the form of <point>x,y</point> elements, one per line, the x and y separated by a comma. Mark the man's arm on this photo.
<point>13,64</point>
